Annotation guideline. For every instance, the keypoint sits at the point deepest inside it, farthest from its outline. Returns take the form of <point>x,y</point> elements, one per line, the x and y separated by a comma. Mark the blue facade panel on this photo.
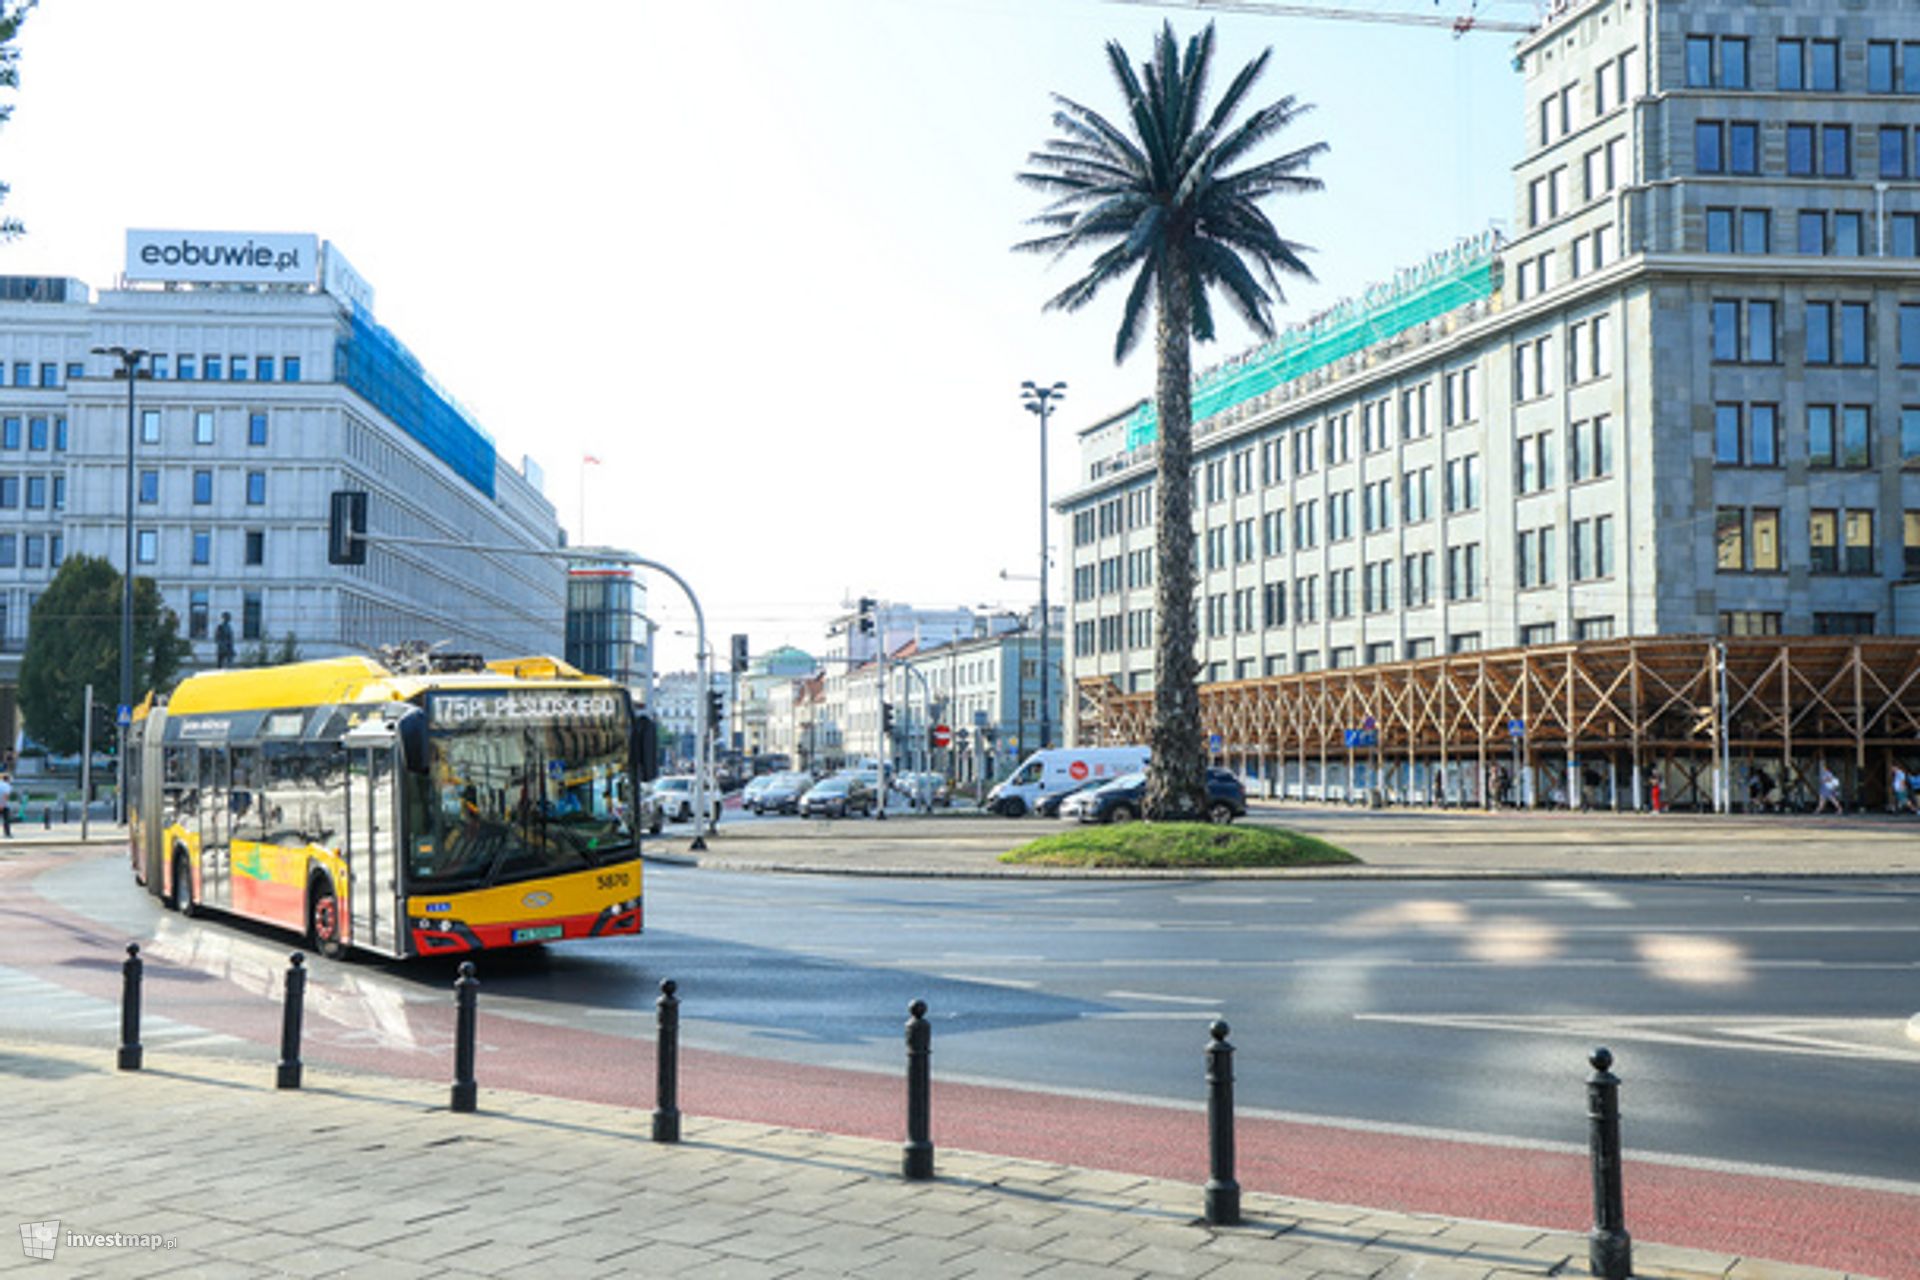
<point>375,364</point>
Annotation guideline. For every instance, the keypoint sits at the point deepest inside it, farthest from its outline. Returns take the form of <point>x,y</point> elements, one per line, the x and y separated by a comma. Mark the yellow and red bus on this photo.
<point>463,806</point>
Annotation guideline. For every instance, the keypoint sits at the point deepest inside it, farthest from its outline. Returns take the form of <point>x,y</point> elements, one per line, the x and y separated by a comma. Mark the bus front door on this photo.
<point>216,882</point>
<point>372,843</point>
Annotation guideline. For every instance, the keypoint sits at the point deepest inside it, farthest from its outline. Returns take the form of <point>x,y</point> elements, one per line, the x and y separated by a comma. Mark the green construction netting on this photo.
<point>1350,327</point>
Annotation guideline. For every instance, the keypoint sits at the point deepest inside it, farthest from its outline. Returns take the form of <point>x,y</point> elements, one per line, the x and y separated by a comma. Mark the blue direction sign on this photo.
<point>1516,728</point>
<point>1214,742</point>
<point>1363,737</point>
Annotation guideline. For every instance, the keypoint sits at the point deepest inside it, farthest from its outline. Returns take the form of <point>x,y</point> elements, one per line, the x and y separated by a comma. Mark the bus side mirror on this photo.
<point>644,746</point>
<point>413,740</point>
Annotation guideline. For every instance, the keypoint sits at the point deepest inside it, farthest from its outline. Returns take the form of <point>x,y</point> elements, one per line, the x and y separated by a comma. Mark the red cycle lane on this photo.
<point>361,1023</point>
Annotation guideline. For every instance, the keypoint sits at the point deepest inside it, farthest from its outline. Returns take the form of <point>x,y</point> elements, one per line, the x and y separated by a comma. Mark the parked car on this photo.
<point>1052,805</point>
<point>930,789</point>
<point>1061,769</point>
<point>837,797</point>
<point>675,795</point>
<point>781,794</point>
<point>1122,799</point>
<point>751,792</point>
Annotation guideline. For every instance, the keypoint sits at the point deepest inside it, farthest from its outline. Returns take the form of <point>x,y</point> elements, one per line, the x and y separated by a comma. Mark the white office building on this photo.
<point>265,386</point>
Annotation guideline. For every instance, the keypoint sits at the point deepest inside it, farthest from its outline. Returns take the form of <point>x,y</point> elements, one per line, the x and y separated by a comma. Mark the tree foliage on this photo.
<point>74,641</point>
<point>1161,204</point>
<point>12,14</point>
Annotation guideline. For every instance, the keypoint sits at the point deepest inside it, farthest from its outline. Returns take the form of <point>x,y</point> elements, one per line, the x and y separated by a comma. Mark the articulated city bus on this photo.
<point>403,812</point>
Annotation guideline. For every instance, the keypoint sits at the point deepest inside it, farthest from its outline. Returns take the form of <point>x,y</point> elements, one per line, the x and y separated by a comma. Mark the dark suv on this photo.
<point>1121,800</point>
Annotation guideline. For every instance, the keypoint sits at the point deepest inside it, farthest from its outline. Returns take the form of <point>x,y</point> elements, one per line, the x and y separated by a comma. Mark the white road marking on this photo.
<point>1208,1001</point>
<point>1869,1039</point>
<point>1019,984</point>
<point>1150,1015</point>
<point>1236,900</point>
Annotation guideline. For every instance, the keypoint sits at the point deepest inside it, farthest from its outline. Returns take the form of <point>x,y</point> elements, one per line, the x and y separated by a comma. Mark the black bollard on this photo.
<point>130,1009</point>
<point>666,1108</point>
<point>1609,1247</point>
<point>916,1161</point>
<point>1223,1193</point>
<point>288,1076</point>
<point>466,994</point>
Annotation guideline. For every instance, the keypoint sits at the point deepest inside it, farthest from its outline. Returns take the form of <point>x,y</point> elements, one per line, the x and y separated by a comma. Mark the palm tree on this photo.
<point>1160,206</point>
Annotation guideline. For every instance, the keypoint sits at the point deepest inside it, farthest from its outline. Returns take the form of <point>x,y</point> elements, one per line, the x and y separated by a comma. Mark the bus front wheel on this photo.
<point>323,919</point>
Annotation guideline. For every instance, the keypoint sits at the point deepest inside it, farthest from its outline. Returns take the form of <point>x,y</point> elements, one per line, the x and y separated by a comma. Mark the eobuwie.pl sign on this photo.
<point>223,257</point>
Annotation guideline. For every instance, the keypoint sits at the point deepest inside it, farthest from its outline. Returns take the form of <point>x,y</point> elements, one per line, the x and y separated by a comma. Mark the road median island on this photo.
<point>1196,846</point>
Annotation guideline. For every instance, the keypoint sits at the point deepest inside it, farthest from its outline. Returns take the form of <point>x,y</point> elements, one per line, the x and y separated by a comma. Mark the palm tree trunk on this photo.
<point>1176,779</point>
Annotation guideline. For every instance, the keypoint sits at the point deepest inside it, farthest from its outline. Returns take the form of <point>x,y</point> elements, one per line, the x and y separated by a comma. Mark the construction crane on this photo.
<point>1460,25</point>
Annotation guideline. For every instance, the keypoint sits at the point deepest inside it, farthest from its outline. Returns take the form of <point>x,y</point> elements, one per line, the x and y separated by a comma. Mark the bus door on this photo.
<point>146,818</point>
<point>216,828</point>
<point>372,841</point>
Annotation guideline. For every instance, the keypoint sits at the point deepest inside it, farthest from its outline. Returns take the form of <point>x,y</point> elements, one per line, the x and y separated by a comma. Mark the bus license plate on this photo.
<point>540,934</point>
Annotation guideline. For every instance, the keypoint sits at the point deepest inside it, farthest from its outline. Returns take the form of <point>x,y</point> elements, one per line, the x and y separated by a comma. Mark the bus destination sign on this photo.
<point>546,707</point>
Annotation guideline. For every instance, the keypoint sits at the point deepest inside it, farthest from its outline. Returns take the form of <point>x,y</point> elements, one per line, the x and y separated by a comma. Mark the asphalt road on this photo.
<point>1382,1029</point>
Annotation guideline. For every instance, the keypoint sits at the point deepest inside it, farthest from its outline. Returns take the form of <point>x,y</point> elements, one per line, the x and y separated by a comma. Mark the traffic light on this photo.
<point>739,654</point>
<point>866,615</point>
<point>886,719</point>
<point>713,709</point>
<point>347,527</point>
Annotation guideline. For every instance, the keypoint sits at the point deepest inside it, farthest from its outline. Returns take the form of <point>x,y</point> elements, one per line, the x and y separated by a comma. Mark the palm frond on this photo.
<point>1136,308</point>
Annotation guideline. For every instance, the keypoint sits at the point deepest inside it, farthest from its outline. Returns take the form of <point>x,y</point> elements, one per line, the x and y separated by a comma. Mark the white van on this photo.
<point>1058,770</point>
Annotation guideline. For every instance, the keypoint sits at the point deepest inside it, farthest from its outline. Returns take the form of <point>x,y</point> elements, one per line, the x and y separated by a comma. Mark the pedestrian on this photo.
<point>223,641</point>
<point>1829,791</point>
<point>1902,799</point>
<point>1758,785</point>
<point>6,803</point>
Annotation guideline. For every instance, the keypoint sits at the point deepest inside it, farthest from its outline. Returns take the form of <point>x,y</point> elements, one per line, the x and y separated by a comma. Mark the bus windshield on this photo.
<point>521,785</point>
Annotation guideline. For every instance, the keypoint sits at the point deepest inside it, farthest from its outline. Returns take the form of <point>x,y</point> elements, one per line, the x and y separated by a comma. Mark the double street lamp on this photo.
<point>1040,401</point>
<point>130,358</point>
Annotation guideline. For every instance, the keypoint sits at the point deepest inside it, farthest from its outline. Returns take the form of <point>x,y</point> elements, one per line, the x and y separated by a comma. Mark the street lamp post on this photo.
<point>1040,402</point>
<point>130,359</point>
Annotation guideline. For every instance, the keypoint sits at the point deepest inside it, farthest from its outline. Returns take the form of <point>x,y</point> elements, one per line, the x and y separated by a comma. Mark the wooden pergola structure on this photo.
<point>1598,723</point>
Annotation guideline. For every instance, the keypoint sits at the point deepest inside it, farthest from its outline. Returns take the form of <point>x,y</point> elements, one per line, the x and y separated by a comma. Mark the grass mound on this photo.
<point>1177,845</point>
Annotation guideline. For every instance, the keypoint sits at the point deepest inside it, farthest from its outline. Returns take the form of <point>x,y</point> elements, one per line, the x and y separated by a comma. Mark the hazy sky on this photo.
<point>751,254</point>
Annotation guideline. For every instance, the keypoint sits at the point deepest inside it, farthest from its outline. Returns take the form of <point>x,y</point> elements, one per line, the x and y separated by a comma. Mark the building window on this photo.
<point>1709,146</point>
<point>1909,434</point>
<point>9,550</point>
<point>37,437</point>
<point>197,614</point>
<point>1534,552</point>
<point>1463,572</point>
<point>1910,334</point>
<point>210,368</point>
<point>1743,331</point>
<point>1593,628</point>
<point>1537,633</point>
<point>1416,580</point>
<point>1749,622</point>
<point>1840,541</point>
<point>36,493</point>
<point>263,368</point>
<point>256,546</point>
<point>202,488</point>
<point>1533,463</point>
<point>1463,483</point>
<point>147,546</point>
<point>184,365</point>
<point>1593,548</point>
<point>9,492</point>
<point>289,368</point>
<point>203,426</point>
<point>256,488</point>
<point>34,547</point>
<point>1376,583</point>
<point>257,428</point>
<point>1464,642</point>
<point>1746,435</point>
<point>203,546</point>
<point>1911,543</point>
<point>1850,445</point>
<point>1843,624</point>
<point>10,433</point>
<point>251,622</point>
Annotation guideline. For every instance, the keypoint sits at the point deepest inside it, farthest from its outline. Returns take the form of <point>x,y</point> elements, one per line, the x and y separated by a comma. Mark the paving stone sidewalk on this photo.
<point>206,1170</point>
